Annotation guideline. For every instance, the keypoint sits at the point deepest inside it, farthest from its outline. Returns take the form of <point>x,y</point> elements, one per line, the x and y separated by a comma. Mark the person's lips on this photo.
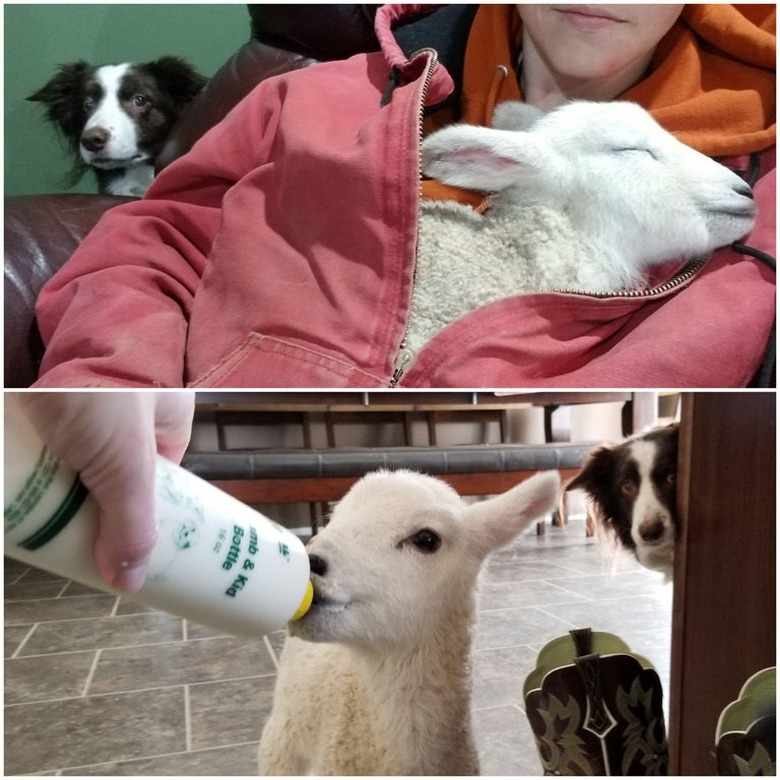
<point>588,17</point>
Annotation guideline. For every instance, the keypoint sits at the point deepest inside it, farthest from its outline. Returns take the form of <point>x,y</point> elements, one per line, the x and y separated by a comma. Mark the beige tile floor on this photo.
<point>96,685</point>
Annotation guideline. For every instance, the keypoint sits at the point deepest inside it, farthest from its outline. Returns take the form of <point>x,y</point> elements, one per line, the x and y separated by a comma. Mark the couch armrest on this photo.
<point>41,233</point>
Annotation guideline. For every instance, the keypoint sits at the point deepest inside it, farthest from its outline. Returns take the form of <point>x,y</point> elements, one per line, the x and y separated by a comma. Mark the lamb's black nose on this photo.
<point>744,190</point>
<point>318,565</point>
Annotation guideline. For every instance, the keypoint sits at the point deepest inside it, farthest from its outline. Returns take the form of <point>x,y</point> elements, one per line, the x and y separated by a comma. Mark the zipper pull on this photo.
<point>402,361</point>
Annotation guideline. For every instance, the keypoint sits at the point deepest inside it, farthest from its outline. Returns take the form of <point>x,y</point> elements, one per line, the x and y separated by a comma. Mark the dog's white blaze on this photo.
<point>647,506</point>
<point>122,143</point>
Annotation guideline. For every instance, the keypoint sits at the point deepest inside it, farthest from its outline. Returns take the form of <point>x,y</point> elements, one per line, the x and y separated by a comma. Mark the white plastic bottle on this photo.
<point>217,561</point>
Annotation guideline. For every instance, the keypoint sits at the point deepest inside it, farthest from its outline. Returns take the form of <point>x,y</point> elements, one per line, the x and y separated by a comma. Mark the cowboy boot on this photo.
<point>595,708</point>
<point>745,737</point>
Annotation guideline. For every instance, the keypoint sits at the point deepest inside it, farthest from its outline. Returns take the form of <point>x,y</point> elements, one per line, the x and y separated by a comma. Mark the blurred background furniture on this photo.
<point>639,410</point>
<point>303,465</point>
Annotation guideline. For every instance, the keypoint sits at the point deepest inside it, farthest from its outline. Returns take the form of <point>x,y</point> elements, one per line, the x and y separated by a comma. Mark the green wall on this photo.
<point>40,37</point>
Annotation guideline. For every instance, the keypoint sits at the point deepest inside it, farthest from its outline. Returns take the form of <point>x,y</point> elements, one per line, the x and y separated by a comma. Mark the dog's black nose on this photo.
<point>651,530</point>
<point>94,139</point>
<point>744,190</point>
<point>318,565</point>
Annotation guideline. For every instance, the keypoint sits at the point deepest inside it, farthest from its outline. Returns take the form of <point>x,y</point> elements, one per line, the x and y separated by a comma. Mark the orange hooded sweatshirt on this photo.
<point>711,81</point>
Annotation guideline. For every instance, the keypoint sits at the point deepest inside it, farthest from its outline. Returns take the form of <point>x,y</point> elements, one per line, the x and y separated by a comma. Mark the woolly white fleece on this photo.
<point>467,260</point>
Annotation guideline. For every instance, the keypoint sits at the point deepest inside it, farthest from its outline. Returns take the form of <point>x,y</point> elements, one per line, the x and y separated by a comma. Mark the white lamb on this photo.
<point>375,678</point>
<point>588,197</point>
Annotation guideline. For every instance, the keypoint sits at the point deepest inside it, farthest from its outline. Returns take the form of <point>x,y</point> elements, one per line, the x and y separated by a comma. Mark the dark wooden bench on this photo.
<point>321,475</point>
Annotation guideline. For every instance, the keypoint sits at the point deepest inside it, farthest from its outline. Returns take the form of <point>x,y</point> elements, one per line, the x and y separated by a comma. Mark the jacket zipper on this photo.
<point>687,272</point>
<point>405,356</point>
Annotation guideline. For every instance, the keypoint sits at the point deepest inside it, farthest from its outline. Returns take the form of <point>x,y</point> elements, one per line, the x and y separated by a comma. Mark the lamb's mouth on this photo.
<point>325,604</point>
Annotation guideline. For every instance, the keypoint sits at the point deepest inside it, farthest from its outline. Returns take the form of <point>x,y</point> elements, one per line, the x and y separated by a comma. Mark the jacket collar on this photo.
<point>408,34</point>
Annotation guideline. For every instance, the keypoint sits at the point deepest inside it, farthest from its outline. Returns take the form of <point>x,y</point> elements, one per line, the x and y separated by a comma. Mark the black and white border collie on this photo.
<point>632,494</point>
<point>116,117</point>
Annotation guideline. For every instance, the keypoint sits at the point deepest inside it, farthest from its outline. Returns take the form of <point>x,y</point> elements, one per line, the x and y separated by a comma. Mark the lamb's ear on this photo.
<point>496,522</point>
<point>482,158</point>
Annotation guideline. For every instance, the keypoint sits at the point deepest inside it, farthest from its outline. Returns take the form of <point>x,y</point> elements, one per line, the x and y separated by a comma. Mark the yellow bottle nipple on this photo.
<point>305,604</point>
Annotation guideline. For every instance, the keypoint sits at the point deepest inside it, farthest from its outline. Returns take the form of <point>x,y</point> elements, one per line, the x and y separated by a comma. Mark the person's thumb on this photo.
<point>127,528</point>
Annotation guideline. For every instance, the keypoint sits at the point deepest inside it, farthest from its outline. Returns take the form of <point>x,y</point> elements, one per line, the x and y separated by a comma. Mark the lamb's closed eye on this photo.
<point>635,150</point>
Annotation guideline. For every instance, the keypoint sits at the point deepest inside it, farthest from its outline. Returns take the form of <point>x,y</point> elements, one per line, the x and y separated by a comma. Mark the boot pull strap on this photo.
<point>598,719</point>
<point>582,641</point>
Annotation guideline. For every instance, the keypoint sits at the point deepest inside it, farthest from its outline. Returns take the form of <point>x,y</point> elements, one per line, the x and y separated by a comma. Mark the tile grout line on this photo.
<point>91,673</point>
<point>140,645</point>
<point>271,651</point>
<point>19,577</point>
<point>160,755</point>
<point>187,720</point>
<point>557,617</point>
<point>18,650</point>
<point>133,691</point>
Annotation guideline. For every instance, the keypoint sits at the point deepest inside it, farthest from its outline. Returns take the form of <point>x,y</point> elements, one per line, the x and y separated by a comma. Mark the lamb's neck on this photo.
<point>422,668</point>
<point>566,247</point>
<point>422,698</point>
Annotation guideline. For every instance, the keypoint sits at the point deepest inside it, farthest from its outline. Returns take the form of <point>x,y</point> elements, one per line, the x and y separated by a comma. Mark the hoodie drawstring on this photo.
<point>500,75</point>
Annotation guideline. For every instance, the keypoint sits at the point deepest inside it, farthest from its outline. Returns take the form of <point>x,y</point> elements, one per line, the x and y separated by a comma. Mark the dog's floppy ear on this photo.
<point>61,86</point>
<point>178,78</point>
<point>63,99</point>
<point>597,478</point>
<point>597,469</point>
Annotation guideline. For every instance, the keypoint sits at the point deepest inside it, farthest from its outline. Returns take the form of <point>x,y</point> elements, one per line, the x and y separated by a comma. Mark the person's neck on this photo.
<point>544,88</point>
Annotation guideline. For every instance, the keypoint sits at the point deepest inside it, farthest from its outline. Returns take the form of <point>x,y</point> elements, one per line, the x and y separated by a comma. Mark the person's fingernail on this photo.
<point>130,578</point>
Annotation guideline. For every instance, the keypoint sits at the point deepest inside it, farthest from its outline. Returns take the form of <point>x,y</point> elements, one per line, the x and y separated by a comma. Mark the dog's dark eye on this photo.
<point>88,104</point>
<point>671,478</point>
<point>426,541</point>
<point>628,486</point>
<point>139,101</point>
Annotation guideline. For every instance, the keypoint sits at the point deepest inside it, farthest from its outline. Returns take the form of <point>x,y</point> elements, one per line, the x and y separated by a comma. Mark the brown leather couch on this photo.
<point>42,231</point>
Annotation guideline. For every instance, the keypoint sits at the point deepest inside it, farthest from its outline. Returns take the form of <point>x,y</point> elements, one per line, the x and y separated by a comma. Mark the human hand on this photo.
<point>111,439</point>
